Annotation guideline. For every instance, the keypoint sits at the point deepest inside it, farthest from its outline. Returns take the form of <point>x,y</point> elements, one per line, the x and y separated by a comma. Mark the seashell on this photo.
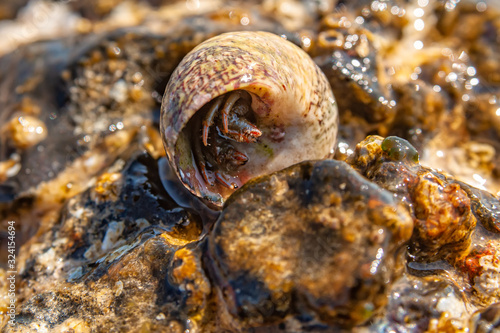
<point>241,105</point>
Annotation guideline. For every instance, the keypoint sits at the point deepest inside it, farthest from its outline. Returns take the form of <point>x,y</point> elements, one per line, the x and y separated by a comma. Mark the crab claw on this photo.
<point>241,129</point>
<point>240,137</point>
<point>238,158</point>
<point>251,133</point>
<point>229,157</point>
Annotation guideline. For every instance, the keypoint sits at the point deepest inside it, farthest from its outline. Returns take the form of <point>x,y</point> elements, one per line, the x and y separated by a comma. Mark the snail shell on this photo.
<point>286,103</point>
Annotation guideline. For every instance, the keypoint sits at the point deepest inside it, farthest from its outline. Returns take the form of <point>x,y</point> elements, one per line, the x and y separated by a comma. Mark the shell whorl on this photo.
<point>288,91</point>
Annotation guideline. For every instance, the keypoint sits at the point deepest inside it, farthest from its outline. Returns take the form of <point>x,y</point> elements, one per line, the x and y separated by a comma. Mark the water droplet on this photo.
<point>452,77</point>
<point>359,20</point>
<point>481,6</point>
<point>419,12</point>
<point>471,71</point>
<point>479,179</point>
<point>245,20</point>
<point>419,25</point>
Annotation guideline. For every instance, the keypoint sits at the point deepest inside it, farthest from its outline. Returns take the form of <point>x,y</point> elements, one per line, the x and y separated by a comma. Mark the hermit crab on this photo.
<point>244,104</point>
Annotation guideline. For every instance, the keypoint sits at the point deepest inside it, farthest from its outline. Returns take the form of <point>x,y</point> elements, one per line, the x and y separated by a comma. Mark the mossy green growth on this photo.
<point>265,149</point>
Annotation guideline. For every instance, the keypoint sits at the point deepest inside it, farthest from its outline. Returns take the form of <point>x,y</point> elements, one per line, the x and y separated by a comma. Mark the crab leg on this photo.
<point>233,98</point>
<point>209,118</point>
<point>221,178</point>
<point>199,157</point>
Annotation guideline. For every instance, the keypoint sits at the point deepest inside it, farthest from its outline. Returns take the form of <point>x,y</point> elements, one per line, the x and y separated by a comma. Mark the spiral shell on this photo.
<point>291,102</point>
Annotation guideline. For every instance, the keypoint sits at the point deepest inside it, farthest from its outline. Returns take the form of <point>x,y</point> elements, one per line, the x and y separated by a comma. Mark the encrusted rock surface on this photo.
<point>316,242</point>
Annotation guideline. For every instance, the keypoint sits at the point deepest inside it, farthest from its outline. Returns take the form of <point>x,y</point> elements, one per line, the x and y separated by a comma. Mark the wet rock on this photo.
<point>487,320</point>
<point>351,64</point>
<point>315,243</point>
<point>446,237</point>
<point>486,207</point>
<point>53,144</point>
<point>484,125</point>
<point>152,282</point>
<point>111,82</point>
<point>476,27</point>
<point>347,52</point>
<point>441,209</point>
<point>424,304</point>
<point>419,112</point>
<point>482,269</point>
<point>126,241</point>
<point>123,202</point>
